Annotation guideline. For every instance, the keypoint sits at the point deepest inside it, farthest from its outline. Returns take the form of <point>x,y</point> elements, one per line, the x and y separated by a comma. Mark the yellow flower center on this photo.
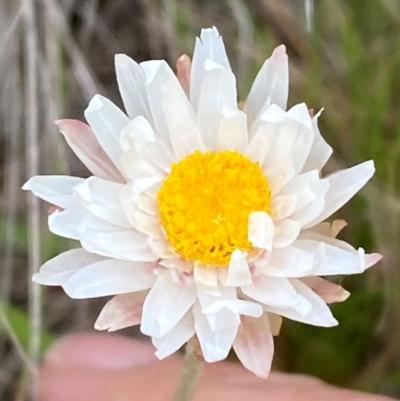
<point>205,203</point>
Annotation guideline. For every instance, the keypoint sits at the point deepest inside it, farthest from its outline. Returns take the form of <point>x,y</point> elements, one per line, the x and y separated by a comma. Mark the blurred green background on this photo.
<point>344,56</point>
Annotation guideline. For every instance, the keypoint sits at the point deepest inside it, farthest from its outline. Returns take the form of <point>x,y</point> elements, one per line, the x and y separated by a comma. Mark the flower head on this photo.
<point>201,218</point>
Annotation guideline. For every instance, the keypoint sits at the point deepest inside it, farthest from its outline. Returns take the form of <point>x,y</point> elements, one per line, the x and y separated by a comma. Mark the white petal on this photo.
<point>259,145</point>
<point>286,262</point>
<point>254,345</point>
<point>320,150</point>
<point>277,292</point>
<point>205,275</point>
<point>301,114</point>
<point>302,187</point>
<point>343,185</point>
<point>238,271</point>
<point>261,230</point>
<point>161,247</point>
<point>179,264</point>
<point>98,236</point>
<point>209,46</point>
<point>128,245</point>
<point>308,213</point>
<point>132,86</point>
<point>286,232</point>
<point>333,257</point>
<point>55,189</point>
<point>271,84</point>
<point>291,139</point>
<point>147,204</point>
<point>215,344</point>
<point>319,314</point>
<point>169,99</point>
<point>85,145</point>
<point>232,132</point>
<point>238,306</point>
<point>101,198</point>
<point>68,223</point>
<point>146,223</point>
<point>137,131</point>
<point>122,311</point>
<point>283,206</point>
<point>109,277</point>
<point>130,193</point>
<point>107,122</point>
<point>176,337</point>
<point>59,269</point>
<point>218,93</point>
<point>167,302</point>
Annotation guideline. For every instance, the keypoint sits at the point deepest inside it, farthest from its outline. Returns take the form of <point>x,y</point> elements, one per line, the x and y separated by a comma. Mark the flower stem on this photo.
<point>189,377</point>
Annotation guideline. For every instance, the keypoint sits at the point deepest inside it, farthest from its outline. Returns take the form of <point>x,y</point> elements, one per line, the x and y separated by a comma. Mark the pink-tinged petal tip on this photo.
<point>372,259</point>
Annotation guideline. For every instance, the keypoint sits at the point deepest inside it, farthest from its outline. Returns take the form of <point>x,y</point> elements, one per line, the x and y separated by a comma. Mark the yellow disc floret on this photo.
<point>205,203</point>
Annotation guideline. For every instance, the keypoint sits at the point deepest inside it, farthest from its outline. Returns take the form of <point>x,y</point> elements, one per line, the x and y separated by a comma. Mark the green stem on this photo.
<point>189,376</point>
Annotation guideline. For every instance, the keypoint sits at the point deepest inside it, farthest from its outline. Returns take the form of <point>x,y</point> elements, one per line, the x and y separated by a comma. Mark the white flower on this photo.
<point>201,218</point>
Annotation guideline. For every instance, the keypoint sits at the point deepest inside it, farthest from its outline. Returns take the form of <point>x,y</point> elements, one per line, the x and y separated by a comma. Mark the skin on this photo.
<point>105,367</point>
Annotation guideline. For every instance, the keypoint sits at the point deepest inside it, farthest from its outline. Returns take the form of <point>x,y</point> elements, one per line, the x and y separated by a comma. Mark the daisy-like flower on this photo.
<point>202,219</point>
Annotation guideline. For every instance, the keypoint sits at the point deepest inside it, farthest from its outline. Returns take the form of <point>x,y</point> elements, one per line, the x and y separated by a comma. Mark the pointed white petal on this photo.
<point>122,311</point>
<point>170,104</point>
<point>132,86</point>
<point>320,150</point>
<point>333,256</point>
<point>277,292</point>
<point>181,333</point>
<point>209,46</point>
<point>68,223</point>
<point>302,187</point>
<point>286,262</point>
<point>215,344</point>
<point>167,302</point>
<point>98,236</point>
<point>161,247</point>
<point>205,275</point>
<point>87,148</point>
<point>130,193</point>
<point>107,122</point>
<point>254,345</point>
<point>101,198</point>
<point>261,230</point>
<point>301,114</point>
<point>286,232</point>
<point>138,131</point>
<point>218,93</point>
<point>343,185</point>
<point>232,132</point>
<point>238,306</point>
<point>109,277</point>
<point>59,269</point>
<point>128,245</point>
<point>238,271</point>
<point>270,85</point>
<point>318,315</point>
<point>55,189</point>
<point>259,145</point>
<point>293,138</point>
<point>308,213</point>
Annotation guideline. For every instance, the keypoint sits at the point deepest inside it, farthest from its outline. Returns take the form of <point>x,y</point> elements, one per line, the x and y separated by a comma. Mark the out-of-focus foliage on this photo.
<point>348,63</point>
